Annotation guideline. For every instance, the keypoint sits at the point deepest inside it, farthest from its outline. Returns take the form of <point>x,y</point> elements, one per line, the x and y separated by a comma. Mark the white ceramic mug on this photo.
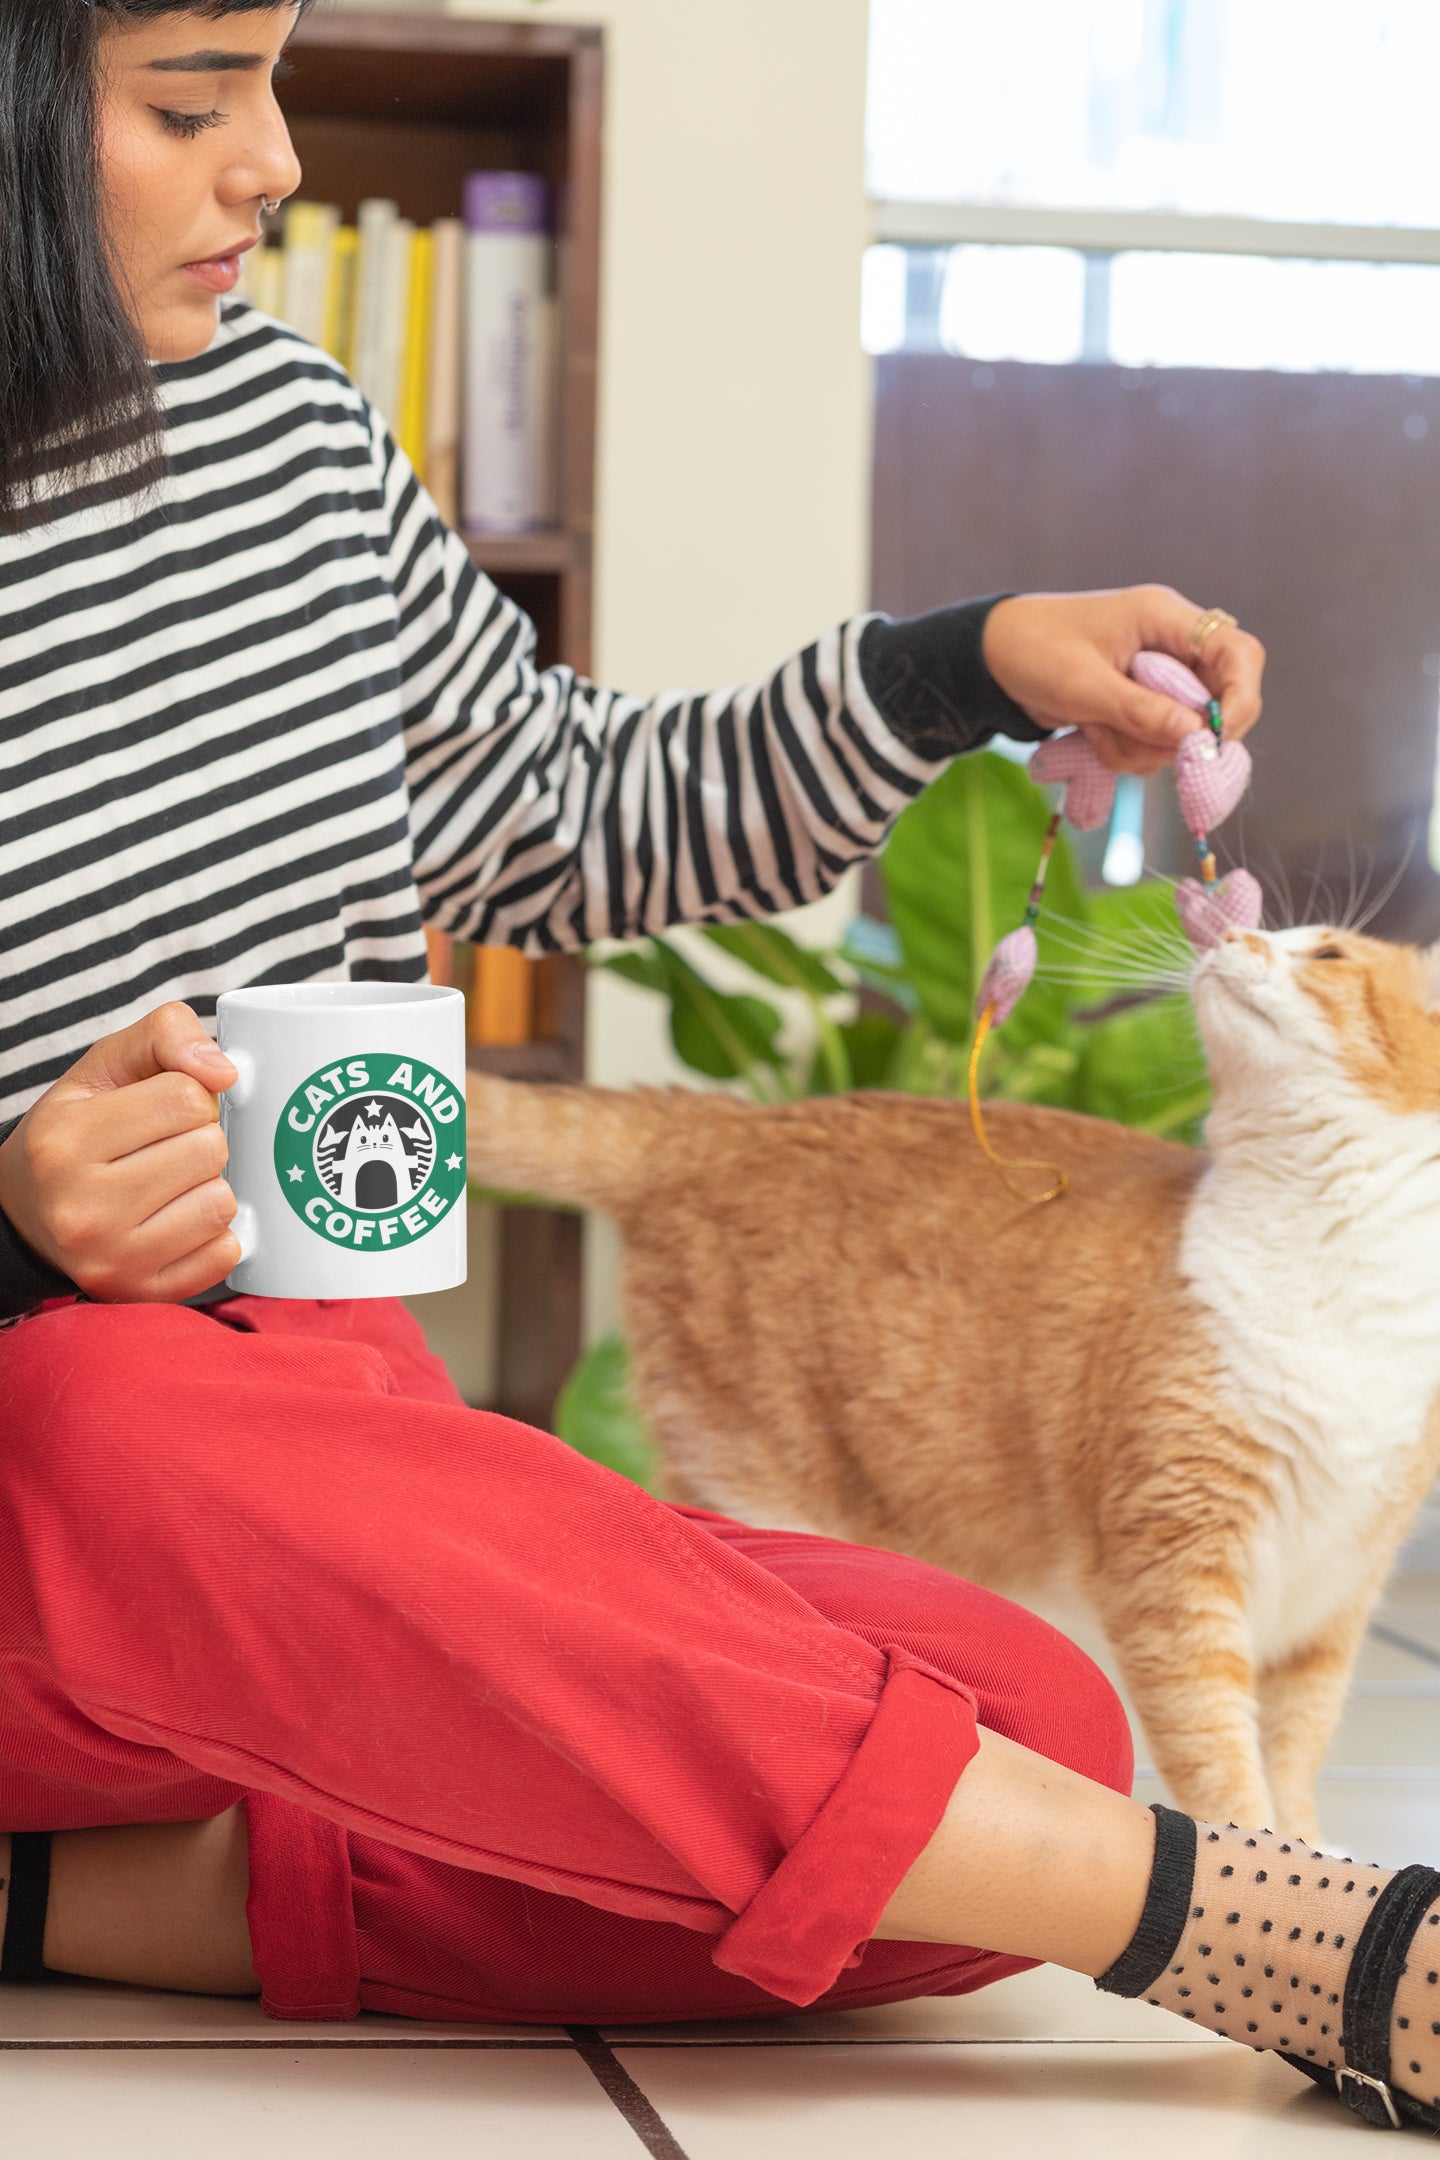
<point>347,1138</point>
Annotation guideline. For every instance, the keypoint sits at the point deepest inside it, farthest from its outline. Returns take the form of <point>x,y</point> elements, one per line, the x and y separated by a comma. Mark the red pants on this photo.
<point>516,1740</point>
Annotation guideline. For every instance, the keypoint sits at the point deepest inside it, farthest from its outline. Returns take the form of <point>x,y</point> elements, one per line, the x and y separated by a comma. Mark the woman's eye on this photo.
<point>188,125</point>
<point>1327,952</point>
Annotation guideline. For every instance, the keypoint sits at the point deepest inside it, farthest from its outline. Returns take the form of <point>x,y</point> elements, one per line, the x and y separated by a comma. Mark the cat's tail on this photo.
<point>583,1145</point>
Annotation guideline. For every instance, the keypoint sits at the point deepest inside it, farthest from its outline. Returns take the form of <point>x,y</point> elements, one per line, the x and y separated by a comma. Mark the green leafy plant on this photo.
<point>1102,1029</point>
<point>596,1413</point>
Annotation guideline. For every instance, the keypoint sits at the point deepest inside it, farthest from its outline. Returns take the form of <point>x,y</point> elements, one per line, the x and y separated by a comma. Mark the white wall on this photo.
<point>734,426</point>
<point>735,399</point>
<point>734,396</point>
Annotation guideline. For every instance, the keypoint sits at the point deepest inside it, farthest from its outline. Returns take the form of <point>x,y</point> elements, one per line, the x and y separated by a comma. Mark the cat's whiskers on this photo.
<point>1328,910</point>
<point>1095,987</point>
<point>1110,960</point>
<point>1140,976</point>
<point>1141,943</point>
<point>1360,919</point>
<point>1275,884</point>
<point>1113,963</point>
<point>1353,903</point>
<point>1160,958</point>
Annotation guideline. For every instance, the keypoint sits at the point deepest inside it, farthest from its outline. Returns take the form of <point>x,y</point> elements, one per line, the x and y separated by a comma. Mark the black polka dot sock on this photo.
<point>1255,1936</point>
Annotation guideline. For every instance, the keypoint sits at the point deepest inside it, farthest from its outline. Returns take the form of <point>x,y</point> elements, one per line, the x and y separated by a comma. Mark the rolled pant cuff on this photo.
<point>822,1904</point>
<point>301,1913</point>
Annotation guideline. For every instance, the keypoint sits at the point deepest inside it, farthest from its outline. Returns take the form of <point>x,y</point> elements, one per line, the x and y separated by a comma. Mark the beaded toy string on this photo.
<point>1211,775</point>
<point>1202,840</point>
<point>983,1025</point>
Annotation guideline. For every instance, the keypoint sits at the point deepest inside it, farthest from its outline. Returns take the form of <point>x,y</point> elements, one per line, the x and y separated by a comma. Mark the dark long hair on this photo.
<point>77,390</point>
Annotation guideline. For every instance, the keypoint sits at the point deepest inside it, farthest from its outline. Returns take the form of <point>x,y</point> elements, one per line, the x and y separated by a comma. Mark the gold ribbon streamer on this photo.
<point>1001,1164</point>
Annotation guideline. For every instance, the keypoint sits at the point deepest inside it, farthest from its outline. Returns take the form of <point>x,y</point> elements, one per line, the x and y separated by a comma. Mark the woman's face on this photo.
<point>191,140</point>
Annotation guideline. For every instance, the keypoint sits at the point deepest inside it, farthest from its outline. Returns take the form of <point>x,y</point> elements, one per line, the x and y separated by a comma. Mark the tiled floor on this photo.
<point>1039,2065</point>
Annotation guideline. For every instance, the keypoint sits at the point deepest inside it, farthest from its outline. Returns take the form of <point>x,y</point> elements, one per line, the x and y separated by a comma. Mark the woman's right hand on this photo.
<point>115,1175</point>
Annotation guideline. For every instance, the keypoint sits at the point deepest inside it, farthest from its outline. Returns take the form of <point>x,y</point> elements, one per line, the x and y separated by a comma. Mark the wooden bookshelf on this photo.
<point>405,106</point>
<point>524,554</point>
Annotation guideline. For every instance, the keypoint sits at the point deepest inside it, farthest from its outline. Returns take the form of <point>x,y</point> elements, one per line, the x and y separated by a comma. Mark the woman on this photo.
<point>313,1680</point>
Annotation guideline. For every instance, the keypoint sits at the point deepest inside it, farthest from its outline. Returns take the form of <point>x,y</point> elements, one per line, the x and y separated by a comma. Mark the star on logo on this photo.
<point>452,1162</point>
<point>372,1109</point>
<point>297,1175</point>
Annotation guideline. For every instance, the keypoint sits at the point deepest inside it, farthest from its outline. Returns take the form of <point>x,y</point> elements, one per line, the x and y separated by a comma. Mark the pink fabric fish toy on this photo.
<point>1070,761</point>
<point>1009,975</point>
<point>1210,778</point>
<point>1209,912</point>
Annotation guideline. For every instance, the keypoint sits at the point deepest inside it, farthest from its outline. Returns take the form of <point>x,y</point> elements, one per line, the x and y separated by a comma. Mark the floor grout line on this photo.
<point>794,2040</point>
<point>1394,1691</point>
<point>1377,1773</point>
<point>1397,1641</point>
<point>617,2076</point>
<point>625,2095</point>
<point>1348,1773</point>
<point>916,2040</point>
<point>425,2043</point>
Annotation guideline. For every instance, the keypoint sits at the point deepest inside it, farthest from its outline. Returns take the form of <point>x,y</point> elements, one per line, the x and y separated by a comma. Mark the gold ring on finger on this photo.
<point>1206,624</point>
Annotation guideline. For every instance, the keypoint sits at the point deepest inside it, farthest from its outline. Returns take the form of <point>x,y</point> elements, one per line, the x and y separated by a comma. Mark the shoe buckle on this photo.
<point>1371,2084</point>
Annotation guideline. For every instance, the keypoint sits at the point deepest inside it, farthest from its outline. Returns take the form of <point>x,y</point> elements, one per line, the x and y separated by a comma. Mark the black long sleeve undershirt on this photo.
<point>928,676</point>
<point>25,1279</point>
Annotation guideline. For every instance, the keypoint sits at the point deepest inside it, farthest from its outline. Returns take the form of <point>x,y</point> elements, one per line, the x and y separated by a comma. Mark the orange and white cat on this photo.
<point>1206,1387</point>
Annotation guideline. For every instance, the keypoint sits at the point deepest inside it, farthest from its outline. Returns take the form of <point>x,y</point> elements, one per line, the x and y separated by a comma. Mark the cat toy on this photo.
<point>1211,775</point>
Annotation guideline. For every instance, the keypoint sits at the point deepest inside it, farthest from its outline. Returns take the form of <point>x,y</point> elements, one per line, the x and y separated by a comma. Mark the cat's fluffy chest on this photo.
<point>1321,1283</point>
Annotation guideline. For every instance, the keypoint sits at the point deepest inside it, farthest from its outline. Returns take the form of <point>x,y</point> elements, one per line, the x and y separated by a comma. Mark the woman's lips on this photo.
<point>219,273</point>
<point>220,276</point>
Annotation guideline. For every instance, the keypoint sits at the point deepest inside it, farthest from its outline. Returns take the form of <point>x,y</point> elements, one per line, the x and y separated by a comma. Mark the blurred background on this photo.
<point>1156,293</point>
<point>910,300</point>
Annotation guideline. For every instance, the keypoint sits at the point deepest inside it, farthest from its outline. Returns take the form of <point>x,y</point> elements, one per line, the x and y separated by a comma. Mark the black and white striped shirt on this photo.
<point>266,726</point>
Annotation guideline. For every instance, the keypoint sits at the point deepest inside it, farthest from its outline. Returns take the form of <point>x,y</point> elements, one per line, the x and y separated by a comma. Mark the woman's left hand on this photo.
<point>1065,658</point>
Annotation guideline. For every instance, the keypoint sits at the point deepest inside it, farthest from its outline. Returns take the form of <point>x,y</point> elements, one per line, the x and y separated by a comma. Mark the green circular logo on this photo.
<point>370,1152</point>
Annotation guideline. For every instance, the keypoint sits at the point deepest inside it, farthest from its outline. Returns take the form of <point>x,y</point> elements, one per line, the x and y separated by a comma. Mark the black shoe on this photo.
<point>1363,2083</point>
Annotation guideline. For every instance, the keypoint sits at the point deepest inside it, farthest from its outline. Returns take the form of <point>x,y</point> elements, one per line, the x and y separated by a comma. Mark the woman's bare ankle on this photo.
<point>156,1906</point>
<point>1032,1859</point>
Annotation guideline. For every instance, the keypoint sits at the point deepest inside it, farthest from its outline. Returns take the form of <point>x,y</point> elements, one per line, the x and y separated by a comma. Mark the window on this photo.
<point>1212,184</point>
<point>1161,183</point>
<point>1313,110</point>
<point>1153,308</point>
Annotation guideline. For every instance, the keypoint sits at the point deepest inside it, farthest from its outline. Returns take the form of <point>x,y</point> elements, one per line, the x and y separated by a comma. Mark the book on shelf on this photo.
<point>415,352</point>
<point>510,1000</point>
<point>310,231</point>
<point>500,997</point>
<point>440,953</point>
<point>509,330</point>
<point>372,269</point>
<point>338,328</point>
<point>450,331</point>
<point>446,387</point>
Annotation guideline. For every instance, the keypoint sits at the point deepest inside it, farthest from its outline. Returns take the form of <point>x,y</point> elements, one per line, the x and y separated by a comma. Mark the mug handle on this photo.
<point>246,1226</point>
<point>245,1222</point>
<point>238,1094</point>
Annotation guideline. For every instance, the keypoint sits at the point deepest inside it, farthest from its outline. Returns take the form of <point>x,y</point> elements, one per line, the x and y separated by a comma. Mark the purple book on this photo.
<point>510,369</point>
<point>506,202</point>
